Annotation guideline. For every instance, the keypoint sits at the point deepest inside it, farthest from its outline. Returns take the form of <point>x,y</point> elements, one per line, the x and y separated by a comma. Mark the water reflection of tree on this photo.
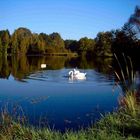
<point>99,64</point>
<point>4,67</point>
<point>103,65</point>
<point>55,62</point>
<point>80,63</point>
<point>22,66</point>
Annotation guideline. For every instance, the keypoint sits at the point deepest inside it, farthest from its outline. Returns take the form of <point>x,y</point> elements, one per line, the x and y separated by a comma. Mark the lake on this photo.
<point>47,97</point>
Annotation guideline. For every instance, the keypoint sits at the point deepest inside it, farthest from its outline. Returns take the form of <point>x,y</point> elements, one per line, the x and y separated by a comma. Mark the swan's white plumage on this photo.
<point>43,66</point>
<point>76,74</point>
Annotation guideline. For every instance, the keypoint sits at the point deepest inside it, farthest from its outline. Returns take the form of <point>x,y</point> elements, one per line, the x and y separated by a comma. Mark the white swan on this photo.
<point>43,66</point>
<point>75,74</point>
<point>76,71</point>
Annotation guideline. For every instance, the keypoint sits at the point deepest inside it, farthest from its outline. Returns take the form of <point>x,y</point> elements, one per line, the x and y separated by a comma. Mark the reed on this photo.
<point>127,79</point>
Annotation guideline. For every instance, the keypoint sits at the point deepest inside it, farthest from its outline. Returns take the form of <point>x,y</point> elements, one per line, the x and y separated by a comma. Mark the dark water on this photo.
<point>48,97</point>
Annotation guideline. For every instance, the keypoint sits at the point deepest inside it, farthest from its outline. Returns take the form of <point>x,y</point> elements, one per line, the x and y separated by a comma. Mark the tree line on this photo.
<point>124,40</point>
<point>23,41</point>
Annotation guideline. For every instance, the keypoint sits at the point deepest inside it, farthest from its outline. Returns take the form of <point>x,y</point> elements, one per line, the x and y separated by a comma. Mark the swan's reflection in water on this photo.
<point>75,79</point>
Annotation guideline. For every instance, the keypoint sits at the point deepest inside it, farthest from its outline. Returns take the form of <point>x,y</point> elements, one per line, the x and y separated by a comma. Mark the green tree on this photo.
<point>33,48</point>
<point>41,45</point>
<point>21,39</point>
<point>24,45</point>
<point>104,42</point>
<point>50,43</point>
<point>71,45</point>
<point>14,43</point>
<point>0,46</point>
<point>126,39</point>
<point>57,42</point>
<point>85,45</point>
<point>134,20</point>
<point>5,40</point>
<point>45,43</point>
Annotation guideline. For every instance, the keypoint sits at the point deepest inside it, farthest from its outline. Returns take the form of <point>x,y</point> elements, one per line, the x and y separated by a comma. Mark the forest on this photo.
<point>124,40</point>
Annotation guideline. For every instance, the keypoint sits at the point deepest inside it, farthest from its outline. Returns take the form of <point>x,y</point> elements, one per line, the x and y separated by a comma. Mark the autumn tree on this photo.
<point>14,44</point>
<point>57,42</point>
<point>5,40</point>
<point>21,40</point>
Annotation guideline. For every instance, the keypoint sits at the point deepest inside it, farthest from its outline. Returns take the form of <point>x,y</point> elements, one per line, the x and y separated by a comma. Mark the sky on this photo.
<point>73,19</point>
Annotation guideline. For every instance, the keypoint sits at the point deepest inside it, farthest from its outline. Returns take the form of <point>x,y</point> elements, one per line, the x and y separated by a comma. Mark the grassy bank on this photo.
<point>119,125</point>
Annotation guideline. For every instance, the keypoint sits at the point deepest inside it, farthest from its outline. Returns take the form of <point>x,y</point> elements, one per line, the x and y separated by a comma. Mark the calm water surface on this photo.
<point>49,97</point>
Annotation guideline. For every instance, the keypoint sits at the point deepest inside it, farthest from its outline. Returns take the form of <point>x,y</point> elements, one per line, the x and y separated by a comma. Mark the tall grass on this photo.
<point>101,132</point>
<point>126,76</point>
<point>127,79</point>
<point>119,125</point>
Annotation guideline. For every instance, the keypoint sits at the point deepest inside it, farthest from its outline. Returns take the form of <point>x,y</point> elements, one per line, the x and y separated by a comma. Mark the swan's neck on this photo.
<point>71,73</point>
